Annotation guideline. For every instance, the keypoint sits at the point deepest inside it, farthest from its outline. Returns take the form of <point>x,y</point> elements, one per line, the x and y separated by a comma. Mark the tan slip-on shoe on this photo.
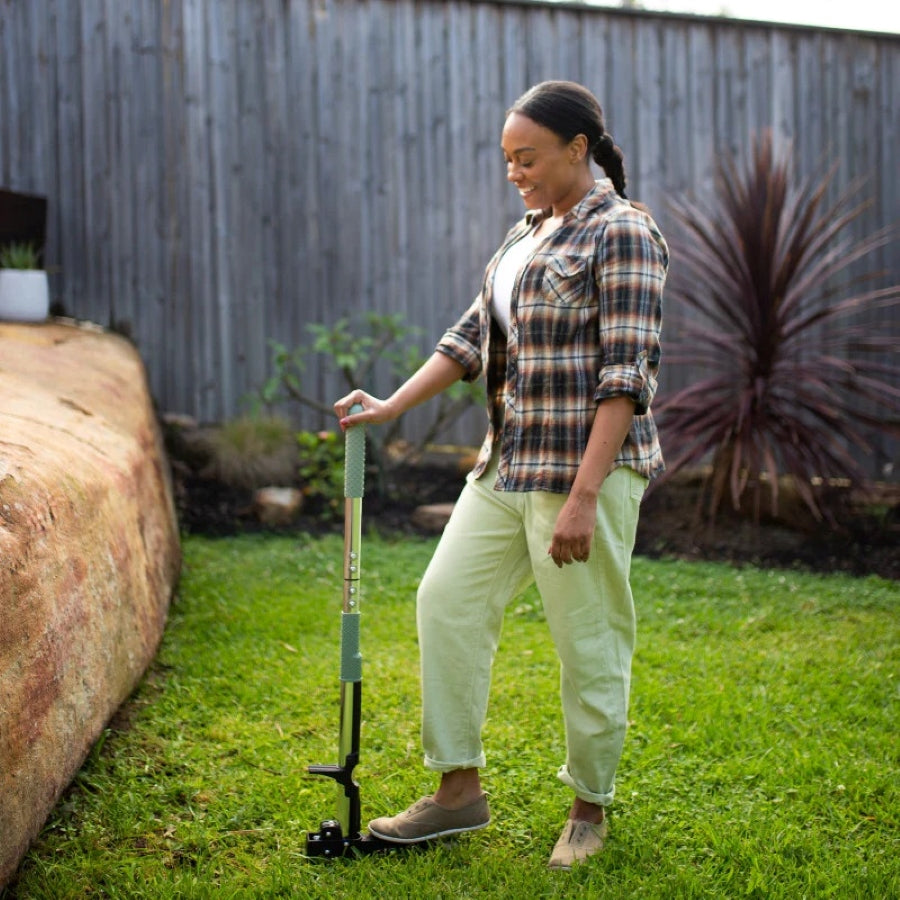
<point>578,841</point>
<point>426,820</point>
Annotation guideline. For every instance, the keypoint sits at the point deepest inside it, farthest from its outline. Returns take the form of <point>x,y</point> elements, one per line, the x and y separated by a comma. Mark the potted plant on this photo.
<point>24,291</point>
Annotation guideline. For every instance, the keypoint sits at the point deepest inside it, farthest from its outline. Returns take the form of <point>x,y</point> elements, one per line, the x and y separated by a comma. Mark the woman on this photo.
<point>566,332</point>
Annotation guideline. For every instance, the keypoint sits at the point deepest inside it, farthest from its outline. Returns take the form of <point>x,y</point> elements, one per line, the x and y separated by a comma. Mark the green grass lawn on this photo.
<point>762,760</point>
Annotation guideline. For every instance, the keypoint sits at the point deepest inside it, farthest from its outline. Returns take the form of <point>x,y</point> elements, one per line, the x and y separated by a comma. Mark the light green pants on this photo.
<point>493,547</point>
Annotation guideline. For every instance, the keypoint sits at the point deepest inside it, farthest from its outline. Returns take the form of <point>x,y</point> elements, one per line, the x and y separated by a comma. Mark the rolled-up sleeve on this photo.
<point>631,264</point>
<point>462,341</point>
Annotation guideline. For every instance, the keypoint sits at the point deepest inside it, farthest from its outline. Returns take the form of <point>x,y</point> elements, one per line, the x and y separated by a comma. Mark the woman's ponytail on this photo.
<point>610,158</point>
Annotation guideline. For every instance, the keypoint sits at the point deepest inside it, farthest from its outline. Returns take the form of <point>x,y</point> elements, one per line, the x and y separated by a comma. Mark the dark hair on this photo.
<point>569,109</point>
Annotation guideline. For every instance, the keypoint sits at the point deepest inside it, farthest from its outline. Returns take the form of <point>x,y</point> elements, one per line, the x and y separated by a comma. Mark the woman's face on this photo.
<point>547,171</point>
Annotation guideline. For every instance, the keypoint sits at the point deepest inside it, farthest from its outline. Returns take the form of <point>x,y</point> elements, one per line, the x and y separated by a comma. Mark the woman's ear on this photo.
<point>578,148</point>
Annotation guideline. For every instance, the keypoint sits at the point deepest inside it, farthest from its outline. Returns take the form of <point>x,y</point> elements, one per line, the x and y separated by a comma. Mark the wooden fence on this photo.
<point>221,173</point>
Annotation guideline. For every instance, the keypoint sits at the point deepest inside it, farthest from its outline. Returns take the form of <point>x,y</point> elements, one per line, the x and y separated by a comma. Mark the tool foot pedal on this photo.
<point>329,842</point>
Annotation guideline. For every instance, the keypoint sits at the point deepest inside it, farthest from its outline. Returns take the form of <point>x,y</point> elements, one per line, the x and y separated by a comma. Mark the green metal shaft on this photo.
<point>351,657</point>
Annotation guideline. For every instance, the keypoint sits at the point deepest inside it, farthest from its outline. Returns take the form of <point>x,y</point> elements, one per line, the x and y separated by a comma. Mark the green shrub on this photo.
<point>322,470</point>
<point>384,342</point>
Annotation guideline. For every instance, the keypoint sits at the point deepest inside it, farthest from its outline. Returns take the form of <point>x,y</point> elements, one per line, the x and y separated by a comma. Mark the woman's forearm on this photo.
<point>577,519</point>
<point>608,433</point>
<point>436,374</point>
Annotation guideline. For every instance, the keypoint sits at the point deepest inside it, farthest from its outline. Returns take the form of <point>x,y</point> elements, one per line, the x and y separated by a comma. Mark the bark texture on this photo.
<point>89,556</point>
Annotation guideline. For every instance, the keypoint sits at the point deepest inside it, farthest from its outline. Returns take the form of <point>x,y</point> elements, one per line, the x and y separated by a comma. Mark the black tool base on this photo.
<point>329,842</point>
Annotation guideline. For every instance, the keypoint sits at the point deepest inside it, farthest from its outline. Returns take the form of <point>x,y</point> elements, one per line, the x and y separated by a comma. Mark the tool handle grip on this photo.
<point>355,457</point>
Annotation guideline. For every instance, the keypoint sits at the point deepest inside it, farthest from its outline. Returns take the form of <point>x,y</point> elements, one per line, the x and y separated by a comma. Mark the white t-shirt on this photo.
<point>505,276</point>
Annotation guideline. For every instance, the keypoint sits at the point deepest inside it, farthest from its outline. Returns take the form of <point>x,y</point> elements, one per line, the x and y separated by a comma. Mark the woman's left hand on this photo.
<point>574,531</point>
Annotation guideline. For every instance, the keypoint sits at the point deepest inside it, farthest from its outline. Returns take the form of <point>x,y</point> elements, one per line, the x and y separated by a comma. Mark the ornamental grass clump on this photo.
<point>252,451</point>
<point>792,385</point>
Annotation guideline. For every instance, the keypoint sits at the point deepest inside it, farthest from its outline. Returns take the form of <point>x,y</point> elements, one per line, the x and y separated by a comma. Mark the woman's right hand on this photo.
<point>433,376</point>
<point>374,411</point>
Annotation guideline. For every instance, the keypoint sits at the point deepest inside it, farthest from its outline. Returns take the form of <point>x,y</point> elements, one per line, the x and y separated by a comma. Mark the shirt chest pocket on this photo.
<point>565,280</point>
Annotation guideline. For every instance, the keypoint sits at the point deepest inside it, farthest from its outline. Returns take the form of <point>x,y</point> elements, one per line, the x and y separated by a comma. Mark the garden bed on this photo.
<point>866,543</point>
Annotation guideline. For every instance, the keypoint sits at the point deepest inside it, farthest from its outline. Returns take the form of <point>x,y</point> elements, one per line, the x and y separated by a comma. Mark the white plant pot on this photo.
<point>24,295</point>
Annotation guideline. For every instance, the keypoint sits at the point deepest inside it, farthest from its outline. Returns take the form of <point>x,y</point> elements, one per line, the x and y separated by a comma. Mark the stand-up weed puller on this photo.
<point>340,836</point>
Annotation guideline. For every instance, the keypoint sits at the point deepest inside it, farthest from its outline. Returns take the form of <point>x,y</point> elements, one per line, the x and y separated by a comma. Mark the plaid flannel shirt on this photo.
<point>585,319</point>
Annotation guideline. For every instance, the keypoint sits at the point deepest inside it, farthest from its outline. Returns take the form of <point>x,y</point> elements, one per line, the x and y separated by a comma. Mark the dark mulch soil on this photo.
<point>206,506</point>
<point>864,541</point>
<point>868,541</point>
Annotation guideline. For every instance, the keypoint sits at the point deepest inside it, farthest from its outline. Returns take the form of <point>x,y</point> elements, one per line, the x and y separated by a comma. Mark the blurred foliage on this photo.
<point>321,470</point>
<point>385,344</point>
<point>252,451</point>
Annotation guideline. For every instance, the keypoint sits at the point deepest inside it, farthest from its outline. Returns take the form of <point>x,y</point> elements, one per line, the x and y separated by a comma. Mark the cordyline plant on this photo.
<point>784,392</point>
